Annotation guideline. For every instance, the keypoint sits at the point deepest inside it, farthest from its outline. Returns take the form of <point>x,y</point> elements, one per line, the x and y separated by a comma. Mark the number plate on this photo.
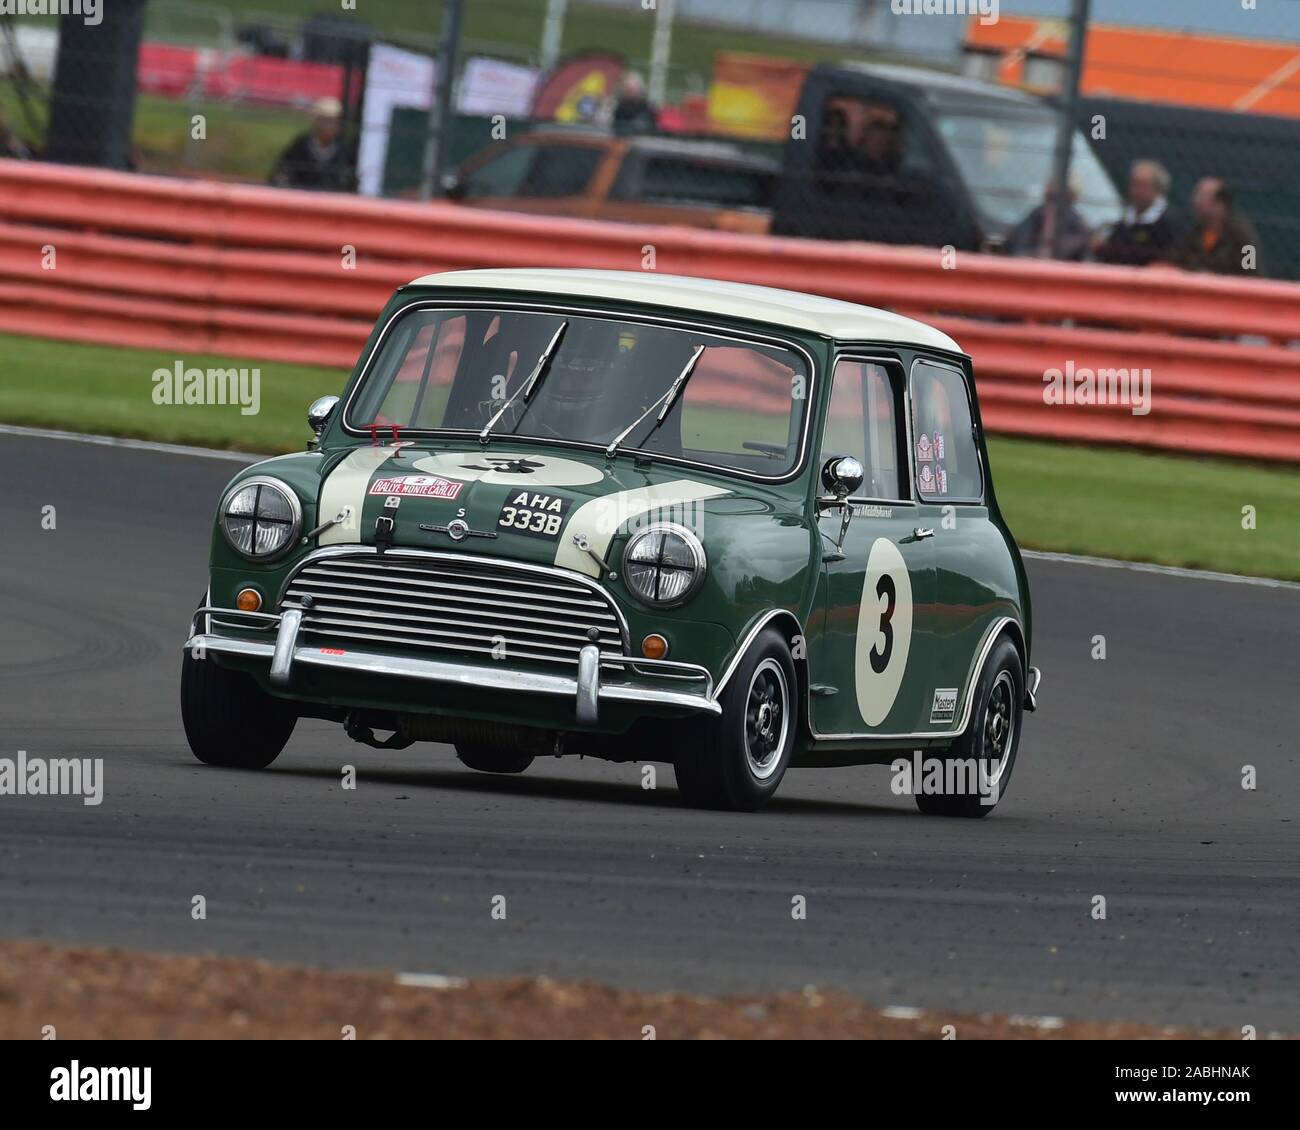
<point>534,515</point>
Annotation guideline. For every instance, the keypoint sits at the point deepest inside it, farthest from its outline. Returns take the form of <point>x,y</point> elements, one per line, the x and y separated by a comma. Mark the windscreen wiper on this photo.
<point>664,404</point>
<point>529,386</point>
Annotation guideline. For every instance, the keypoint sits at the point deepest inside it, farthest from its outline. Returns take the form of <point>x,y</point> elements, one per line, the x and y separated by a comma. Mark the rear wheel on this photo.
<point>737,761</point>
<point>979,763</point>
<point>229,720</point>
<point>487,759</point>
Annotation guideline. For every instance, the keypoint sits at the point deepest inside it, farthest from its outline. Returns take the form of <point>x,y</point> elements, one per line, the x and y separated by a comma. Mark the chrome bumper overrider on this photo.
<point>587,690</point>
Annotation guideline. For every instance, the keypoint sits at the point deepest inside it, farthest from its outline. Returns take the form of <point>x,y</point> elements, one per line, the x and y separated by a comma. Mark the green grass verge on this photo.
<point>243,141</point>
<point>1167,509</point>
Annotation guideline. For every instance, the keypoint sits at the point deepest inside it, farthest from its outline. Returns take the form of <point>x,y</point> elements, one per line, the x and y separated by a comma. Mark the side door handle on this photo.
<point>921,533</point>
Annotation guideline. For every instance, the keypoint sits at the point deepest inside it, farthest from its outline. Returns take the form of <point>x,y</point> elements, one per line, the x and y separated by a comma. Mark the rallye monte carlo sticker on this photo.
<point>429,486</point>
<point>537,515</point>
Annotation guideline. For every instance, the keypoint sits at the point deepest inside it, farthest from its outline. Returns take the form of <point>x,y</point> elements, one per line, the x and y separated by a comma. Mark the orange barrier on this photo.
<point>254,272</point>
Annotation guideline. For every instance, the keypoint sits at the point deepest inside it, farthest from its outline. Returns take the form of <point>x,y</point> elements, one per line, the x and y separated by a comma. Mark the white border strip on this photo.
<point>1162,570</point>
<point>132,444</point>
<point>1030,554</point>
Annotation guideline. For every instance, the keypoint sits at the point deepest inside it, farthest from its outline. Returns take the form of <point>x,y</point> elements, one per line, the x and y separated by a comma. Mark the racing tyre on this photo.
<point>736,761</point>
<point>989,745</point>
<point>489,760</point>
<point>229,720</point>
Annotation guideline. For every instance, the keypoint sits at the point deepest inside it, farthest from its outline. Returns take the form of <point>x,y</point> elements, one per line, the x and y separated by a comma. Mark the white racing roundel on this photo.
<point>884,632</point>
<point>512,468</point>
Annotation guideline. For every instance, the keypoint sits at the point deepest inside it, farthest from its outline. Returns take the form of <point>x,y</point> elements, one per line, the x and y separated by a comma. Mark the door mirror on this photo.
<point>843,476</point>
<point>318,415</point>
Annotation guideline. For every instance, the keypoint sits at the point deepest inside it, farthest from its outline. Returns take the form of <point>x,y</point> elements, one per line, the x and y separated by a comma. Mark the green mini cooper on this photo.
<point>636,517</point>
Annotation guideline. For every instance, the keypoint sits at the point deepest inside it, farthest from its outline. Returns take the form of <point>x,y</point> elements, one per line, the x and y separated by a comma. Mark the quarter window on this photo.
<point>947,458</point>
<point>862,421</point>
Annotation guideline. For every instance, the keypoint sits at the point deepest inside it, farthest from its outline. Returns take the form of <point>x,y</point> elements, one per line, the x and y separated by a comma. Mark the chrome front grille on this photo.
<point>455,605</point>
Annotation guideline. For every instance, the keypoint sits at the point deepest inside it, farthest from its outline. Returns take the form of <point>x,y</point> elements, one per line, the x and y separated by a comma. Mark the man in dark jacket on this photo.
<point>1221,240</point>
<point>1034,236</point>
<point>632,112</point>
<point>312,159</point>
<point>1143,234</point>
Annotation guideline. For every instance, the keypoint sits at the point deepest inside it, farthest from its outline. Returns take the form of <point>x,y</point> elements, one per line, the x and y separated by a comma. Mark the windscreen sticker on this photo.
<point>924,451</point>
<point>428,486</point>
<point>537,515</point>
<point>938,447</point>
<point>925,478</point>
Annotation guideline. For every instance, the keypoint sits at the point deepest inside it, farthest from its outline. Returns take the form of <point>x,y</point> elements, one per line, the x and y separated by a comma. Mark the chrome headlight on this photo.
<point>664,565</point>
<point>260,518</point>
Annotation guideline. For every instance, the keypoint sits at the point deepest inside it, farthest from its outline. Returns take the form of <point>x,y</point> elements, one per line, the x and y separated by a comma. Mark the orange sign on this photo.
<point>1149,65</point>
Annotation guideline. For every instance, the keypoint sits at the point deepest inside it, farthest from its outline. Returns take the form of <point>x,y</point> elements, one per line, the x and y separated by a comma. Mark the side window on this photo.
<point>867,145</point>
<point>561,170</point>
<point>863,421</point>
<point>500,175</point>
<point>947,459</point>
<point>673,180</point>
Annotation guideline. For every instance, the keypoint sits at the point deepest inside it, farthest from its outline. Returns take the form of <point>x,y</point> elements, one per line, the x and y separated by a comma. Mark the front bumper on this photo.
<point>641,680</point>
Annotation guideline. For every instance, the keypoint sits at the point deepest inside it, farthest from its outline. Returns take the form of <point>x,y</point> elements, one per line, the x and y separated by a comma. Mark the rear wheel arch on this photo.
<point>1015,630</point>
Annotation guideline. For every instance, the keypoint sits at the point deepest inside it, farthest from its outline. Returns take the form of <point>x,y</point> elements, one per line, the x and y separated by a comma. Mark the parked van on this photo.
<point>895,154</point>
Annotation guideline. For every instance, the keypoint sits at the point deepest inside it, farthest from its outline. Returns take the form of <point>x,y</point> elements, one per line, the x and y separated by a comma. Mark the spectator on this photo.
<point>881,154</point>
<point>11,144</point>
<point>1219,239</point>
<point>1143,234</point>
<point>632,110</point>
<point>313,159</point>
<point>1034,236</point>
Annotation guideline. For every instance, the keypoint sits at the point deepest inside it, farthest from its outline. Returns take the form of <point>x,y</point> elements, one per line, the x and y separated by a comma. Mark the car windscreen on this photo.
<point>583,378</point>
<point>1006,161</point>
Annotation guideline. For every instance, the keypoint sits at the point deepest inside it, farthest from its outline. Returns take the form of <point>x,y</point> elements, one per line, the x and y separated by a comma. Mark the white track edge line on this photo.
<point>1031,554</point>
<point>1162,570</point>
<point>132,444</point>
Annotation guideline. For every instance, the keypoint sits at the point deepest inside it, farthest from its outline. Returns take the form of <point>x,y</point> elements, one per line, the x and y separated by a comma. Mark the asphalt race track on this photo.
<point>1128,786</point>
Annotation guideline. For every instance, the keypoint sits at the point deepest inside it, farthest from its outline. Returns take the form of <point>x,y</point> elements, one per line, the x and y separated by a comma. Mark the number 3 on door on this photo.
<point>884,631</point>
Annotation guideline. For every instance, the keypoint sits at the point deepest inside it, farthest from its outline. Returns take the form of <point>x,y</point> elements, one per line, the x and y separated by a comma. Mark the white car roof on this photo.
<point>788,308</point>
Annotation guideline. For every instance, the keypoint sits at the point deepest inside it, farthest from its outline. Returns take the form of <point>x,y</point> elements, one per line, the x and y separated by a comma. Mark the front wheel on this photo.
<point>229,720</point>
<point>977,766</point>
<point>737,761</point>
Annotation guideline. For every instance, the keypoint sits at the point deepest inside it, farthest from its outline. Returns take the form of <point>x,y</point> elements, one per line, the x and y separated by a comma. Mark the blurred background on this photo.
<point>883,120</point>
<point>1089,187</point>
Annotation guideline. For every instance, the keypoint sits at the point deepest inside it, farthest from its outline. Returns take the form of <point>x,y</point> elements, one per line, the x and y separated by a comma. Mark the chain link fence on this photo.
<point>878,151</point>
